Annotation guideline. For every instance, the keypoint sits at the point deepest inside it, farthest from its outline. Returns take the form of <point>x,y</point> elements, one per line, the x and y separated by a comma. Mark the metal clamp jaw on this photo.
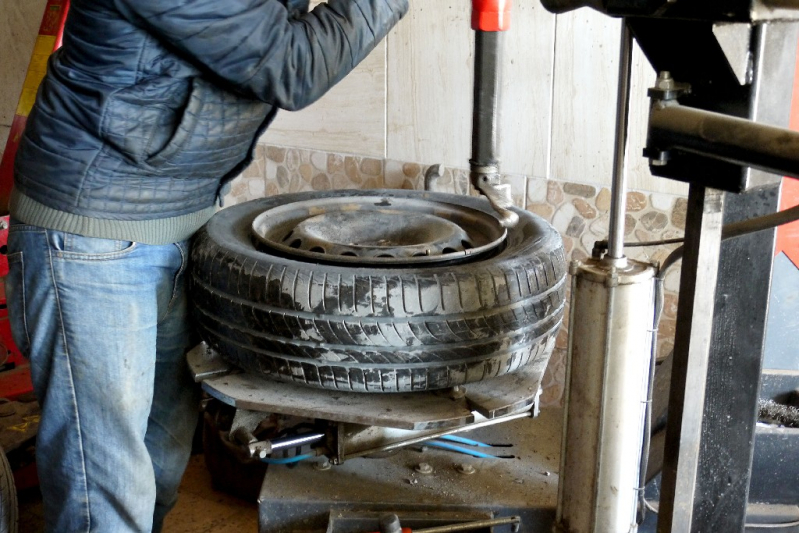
<point>486,180</point>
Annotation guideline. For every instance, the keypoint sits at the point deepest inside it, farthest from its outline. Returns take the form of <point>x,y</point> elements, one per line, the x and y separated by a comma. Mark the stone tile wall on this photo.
<point>579,211</point>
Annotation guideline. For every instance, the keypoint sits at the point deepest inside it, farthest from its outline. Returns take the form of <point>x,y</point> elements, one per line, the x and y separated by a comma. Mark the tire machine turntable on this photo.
<point>702,131</point>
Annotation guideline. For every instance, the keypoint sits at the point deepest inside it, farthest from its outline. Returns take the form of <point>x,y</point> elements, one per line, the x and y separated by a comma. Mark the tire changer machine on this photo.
<point>717,121</point>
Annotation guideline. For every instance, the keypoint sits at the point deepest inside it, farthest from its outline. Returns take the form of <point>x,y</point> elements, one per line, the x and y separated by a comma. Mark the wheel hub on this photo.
<point>377,230</point>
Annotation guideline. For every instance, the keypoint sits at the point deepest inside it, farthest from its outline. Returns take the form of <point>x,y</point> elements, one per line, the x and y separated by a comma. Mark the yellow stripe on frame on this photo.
<point>36,70</point>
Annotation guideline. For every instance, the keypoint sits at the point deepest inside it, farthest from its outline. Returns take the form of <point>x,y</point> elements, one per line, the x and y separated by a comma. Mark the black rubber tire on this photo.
<point>9,509</point>
<point>377,329</point>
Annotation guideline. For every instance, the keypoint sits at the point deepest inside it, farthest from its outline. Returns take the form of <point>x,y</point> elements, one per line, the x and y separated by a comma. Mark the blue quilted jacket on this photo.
<point>151,106</point>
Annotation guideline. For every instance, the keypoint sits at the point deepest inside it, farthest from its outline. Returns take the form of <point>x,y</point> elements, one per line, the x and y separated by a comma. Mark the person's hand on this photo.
<point>296,8</point>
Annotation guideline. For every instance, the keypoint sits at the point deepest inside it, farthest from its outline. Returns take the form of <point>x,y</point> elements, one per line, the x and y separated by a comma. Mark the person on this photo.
<point>146,112</point>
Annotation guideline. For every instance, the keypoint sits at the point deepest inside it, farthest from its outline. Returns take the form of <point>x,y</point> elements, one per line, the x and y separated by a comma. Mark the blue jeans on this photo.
<point>105,325</point>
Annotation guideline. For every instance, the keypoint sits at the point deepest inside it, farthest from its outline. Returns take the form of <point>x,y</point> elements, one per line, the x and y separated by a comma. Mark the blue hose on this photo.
<point>288,460</point>
<point>464,440</point>
<point>452,447</point>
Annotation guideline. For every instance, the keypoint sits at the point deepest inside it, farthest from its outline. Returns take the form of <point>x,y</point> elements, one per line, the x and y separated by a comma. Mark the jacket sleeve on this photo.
<point>264,51</point>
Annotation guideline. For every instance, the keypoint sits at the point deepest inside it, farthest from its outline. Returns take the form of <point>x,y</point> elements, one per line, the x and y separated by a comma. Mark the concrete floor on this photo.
<point>200,508</point>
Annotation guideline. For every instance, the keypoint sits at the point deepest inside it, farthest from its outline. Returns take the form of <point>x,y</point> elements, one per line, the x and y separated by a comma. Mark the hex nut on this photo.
<point>424,468</point>
<point>465,469</point>
<point>322,465</point>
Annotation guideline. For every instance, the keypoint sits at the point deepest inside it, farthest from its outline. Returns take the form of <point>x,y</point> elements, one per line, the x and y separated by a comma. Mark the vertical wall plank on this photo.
<point>584,101</point>
<point>351,118</point>
<point>430,70</point>
<point>526,98</point>
<point>430,57</point>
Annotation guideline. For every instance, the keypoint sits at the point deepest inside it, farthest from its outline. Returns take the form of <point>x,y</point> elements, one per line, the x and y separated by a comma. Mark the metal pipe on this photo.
<point>618,204</point>
<point>484,164</point>
<point>731,139</point>
<point>294,442</point>
<point>612,312</point>
<point>428,436</point>
<point>468,526</point>
<point>485,115</point>
<point>262,448</point>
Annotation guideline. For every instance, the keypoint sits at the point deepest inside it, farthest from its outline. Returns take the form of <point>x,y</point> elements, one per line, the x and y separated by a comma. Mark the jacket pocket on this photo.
<point>15,300</point>
<point>138,121</point>
<point>217,128</point>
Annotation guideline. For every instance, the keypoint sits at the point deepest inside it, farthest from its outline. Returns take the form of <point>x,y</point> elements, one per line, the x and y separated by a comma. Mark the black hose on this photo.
<point>730,231</point>
<point>738,229</point>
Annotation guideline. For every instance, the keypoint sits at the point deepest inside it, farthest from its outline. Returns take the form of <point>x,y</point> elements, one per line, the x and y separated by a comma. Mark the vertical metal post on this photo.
<point>742,301</point>
<point>691,355</point>
<point>490,20</point>
<point>485,116</point>
<point>618,205</point>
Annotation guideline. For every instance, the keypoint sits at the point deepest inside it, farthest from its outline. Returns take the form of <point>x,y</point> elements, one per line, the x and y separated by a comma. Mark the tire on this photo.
<point>377,329</point>
<point>9,511</point>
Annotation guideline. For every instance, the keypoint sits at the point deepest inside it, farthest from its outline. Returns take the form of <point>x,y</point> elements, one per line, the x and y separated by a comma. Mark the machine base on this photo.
<point>302,498</point>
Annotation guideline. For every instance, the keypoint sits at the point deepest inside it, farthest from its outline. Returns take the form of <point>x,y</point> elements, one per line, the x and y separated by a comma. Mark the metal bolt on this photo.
<point>322,465</point>
<point>457,392</point>
<point>390,523</point>
<point>424,468</point>
<point>466,469</point>
<point>664,80</point>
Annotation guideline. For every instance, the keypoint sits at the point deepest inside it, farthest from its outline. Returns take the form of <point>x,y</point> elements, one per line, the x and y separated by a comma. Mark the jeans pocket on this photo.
<point>73,246</point>
<point>15,300</point>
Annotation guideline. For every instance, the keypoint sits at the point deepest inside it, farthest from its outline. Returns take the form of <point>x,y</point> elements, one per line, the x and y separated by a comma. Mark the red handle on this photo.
<point>491,15</point>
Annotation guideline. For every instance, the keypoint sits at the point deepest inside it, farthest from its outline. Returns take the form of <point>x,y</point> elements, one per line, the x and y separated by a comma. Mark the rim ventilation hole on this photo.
<point>349,254</point>
<point>317,249</point>
<point>448,250</point>
<point>419,254</point>
<point>466,245</point>
<point>385,255</point>
<point>296,243</point>
<point>288,236</point>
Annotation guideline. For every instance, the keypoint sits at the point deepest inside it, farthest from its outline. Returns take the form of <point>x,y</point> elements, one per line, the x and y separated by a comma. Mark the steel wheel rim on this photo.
<point>377,230</point>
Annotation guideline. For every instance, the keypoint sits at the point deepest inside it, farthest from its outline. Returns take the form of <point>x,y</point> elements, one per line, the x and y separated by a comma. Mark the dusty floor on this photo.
<point>200,509</point>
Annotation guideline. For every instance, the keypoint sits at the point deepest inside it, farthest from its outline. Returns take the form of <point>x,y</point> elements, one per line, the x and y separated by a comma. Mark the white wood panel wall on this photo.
<point>558,97</point>
<point>350,118</point>
<point>526,98</point>
<point>411,99</point>
<point>430,58</point>
<point>584,105</point>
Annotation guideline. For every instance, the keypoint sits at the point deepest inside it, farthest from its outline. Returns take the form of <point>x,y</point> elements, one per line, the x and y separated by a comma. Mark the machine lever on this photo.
<point>390,524</point>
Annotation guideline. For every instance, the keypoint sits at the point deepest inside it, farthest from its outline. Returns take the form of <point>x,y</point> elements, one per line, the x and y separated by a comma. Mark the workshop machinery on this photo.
<point>707,127</point>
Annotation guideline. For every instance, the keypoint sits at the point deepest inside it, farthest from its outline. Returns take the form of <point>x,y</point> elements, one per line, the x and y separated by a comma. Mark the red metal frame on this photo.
<point>49,39</point>
<point>15,378</point>
<point>788,235</point>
